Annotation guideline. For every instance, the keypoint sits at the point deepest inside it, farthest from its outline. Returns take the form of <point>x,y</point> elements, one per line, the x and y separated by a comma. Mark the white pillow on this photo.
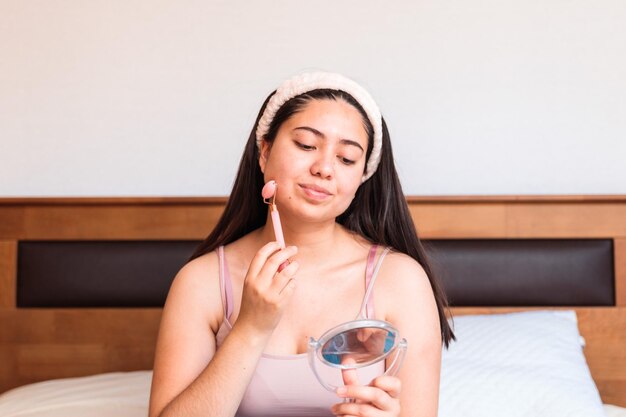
<point>517,364</point>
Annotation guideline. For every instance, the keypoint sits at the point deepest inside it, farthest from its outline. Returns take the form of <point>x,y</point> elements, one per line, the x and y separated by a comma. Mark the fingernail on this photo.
<point>342,390</point>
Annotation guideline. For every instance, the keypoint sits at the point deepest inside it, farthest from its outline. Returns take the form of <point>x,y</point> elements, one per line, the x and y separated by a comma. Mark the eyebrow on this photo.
<point>321,135</point>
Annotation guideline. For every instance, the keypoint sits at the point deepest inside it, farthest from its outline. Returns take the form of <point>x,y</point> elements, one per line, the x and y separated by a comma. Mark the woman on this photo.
<point>238,316</point>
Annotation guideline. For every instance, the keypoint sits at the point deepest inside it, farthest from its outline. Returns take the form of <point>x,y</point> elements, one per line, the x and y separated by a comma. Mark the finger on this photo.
<point>354,409</point>
<point>390,384</point>
<point>270,268</point>
<point>260,258</point>
<point>281,279</point>
<point>288,289</point>
<point>375,396</point>
<point>350,376</point>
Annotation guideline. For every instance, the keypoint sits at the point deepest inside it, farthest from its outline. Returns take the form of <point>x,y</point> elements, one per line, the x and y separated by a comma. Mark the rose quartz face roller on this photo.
<point>269,196</point>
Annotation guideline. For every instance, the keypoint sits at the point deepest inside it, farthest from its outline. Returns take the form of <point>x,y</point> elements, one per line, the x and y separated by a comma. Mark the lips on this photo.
<point>315,191</point>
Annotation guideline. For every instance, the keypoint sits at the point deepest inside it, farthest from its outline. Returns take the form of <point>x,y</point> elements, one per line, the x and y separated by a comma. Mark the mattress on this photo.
<point>119,394</point>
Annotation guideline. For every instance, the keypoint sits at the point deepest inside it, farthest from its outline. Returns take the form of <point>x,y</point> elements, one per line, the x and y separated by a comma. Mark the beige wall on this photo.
<point>112,97</point>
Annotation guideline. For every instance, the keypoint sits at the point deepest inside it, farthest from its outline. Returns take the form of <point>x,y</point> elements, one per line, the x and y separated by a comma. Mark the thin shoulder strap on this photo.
<point>226,286</point>
<point>367,306</point>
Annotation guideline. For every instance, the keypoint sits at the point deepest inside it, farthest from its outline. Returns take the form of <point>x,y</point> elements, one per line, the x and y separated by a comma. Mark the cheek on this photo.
<point>344,203</point>
<point>350,187</point>
<point>283,168</point>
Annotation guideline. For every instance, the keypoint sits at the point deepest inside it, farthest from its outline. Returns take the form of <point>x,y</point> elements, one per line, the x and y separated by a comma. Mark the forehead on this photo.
<point>335,118</point>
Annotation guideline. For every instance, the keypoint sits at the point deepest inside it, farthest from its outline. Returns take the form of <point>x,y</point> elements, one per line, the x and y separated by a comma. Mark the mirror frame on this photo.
<point>352,325</point>
<point>315,351</point>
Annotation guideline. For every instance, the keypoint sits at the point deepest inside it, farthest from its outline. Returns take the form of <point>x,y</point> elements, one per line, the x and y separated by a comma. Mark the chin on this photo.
<point>310,209</point>
<point>318,213</point>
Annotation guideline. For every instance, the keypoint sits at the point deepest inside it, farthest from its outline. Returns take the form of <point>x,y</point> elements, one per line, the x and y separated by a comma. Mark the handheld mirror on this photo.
<point>357,344</point>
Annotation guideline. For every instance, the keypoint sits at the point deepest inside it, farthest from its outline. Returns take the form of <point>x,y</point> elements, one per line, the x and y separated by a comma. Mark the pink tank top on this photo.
<point>285,385</point>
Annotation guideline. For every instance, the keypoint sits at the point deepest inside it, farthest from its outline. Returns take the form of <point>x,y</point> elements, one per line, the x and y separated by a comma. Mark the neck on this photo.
<point>315,241</point>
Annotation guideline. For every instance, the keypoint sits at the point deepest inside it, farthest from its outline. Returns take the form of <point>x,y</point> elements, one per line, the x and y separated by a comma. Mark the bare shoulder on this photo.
<point>399,273</point>
<point>196,289</point>
<point>197,275</point>
<point>403,287</point>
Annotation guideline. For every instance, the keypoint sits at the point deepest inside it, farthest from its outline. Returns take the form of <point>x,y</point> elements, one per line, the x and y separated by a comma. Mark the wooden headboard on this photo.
<point>44,343</point>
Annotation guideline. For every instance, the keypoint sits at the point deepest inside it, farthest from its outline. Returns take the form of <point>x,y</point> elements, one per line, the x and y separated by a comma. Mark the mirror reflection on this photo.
<point>357,346</point>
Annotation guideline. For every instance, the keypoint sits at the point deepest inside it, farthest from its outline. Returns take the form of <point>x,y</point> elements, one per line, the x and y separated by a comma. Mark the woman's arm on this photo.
<point>414,312</point>
<point>404,297</point>
<point>190,377</point>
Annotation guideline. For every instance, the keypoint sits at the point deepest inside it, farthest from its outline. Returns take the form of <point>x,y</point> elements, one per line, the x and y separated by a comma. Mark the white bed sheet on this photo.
<point>614,411</point>
<point>118,394</point>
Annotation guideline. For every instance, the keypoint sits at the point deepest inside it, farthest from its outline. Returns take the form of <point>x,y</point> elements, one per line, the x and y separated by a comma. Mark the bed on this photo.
<point>538,286</point>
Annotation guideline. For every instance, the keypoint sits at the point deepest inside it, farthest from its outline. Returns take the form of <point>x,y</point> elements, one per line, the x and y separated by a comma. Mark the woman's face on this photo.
<point>317,159</point>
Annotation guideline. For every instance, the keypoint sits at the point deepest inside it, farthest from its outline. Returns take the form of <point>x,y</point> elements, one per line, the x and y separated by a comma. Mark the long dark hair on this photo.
<point>378,212</point>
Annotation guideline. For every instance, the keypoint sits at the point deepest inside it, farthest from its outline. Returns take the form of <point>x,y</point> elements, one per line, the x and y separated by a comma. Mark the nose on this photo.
<point>323,166</point>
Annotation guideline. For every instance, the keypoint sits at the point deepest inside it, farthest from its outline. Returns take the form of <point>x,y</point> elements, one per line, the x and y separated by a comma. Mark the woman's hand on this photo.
<point>380,398</point>
<point>266,291</point>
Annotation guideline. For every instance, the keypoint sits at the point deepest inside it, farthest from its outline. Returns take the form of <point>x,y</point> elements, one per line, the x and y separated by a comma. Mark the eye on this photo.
<point>346,161</point>
<point>304,146</point>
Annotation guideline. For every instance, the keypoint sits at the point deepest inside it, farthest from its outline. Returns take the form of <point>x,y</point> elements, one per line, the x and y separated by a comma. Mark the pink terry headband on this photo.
<point>310,81</point>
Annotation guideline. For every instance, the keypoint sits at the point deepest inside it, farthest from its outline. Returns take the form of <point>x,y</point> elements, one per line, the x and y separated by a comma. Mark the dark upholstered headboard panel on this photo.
<point>525,272</point>
<point>98,273</point>
<point>519,272</point>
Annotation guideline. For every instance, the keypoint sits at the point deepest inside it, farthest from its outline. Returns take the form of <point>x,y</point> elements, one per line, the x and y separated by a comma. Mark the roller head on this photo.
<point>269,189</point>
